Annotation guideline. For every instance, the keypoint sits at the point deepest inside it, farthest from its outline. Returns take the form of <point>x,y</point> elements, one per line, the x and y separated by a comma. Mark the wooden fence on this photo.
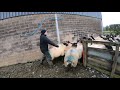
<point>103,60</point>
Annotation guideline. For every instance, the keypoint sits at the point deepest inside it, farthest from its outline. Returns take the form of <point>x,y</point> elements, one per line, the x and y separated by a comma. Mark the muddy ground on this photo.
<point>36,70</point>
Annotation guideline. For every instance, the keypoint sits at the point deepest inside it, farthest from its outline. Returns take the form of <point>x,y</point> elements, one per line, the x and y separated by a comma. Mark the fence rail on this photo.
<point>103,60</point>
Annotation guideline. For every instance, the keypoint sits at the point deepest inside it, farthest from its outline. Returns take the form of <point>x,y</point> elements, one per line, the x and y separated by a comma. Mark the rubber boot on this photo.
<point>41,62</point>
<point>50,63</point>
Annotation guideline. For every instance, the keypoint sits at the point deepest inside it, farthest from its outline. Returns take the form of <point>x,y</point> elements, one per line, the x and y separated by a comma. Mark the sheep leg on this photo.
<point>62,58</point>
<point>68,67</point>
<point>74,63</point>
<point>62,54</point>
<point>65,64</point>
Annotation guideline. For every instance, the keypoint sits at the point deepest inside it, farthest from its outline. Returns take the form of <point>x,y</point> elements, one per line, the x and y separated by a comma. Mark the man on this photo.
<point>44,41</point>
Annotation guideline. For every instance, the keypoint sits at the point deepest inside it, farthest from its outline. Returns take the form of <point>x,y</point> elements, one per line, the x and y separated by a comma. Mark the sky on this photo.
<point>110,18</point>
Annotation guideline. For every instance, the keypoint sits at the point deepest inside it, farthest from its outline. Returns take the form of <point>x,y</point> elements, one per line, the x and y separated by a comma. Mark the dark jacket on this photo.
<point>44,41</point>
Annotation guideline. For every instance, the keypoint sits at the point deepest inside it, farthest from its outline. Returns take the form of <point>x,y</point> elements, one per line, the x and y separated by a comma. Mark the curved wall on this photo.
<point>15,48</point>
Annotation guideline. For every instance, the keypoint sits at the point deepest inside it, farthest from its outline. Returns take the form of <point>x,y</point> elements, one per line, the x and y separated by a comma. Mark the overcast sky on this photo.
<point>110,18</point>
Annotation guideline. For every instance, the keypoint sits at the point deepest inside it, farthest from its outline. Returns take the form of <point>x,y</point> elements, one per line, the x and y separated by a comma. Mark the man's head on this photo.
<point>44,32</point>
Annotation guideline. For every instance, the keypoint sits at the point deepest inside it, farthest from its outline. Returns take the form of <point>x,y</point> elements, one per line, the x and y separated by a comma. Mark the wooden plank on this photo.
<point>85,53</point>
<point>117,71</point>
<point>96,56</point>
<point>101,50</point>
<point>101,54</point>
<point>103,64</point>
<point>103,71</point>
<point>99,69</point>
<point>99,63</point>
<point>115,61</point>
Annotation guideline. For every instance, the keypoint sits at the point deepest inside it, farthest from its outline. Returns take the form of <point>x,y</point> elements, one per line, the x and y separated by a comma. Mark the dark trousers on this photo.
<point>47,56</point>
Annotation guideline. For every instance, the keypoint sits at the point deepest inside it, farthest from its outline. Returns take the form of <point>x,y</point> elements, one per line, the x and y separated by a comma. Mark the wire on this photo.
<point>39,27</point>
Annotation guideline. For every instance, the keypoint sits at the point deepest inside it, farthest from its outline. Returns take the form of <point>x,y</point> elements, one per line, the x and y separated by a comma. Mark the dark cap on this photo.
<point>43,31</point>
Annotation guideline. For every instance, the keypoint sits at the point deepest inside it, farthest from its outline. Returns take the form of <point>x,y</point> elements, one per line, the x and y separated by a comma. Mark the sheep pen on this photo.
<point>35,70</point>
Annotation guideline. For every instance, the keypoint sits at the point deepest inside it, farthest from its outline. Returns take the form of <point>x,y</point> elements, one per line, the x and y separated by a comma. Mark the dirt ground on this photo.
<point>36,70</point>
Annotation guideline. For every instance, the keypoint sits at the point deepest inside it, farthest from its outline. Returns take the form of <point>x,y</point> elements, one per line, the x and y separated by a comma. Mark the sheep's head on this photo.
<point>68,42</point>
<point>92,37</point>
<point>64,45</point>
<point>106,38</point>
<point>84,38</point>
<point>67,64</point>
<point>90,40</point>
<point>118,40</point>
<point>74,44</point>
<point>79,41</point>
<point>101,36</point>
<point>67,45</point>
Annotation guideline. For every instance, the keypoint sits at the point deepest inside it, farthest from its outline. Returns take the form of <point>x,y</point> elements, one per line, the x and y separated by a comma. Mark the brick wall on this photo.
<point>15,48</point>
<point>80,25</point>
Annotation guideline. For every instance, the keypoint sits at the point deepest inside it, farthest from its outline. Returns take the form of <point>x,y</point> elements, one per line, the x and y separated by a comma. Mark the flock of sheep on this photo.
<point>104,38</point>
<point>73,51</point>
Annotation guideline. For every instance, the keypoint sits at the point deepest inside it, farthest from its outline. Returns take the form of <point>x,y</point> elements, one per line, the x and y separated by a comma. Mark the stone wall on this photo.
<point>15,48</point>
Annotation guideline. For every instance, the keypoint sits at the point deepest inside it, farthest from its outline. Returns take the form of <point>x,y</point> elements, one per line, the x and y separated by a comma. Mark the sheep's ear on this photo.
<point>81,41</point>
<point>65,44</point>
<point>74,44</point>
<point>78,41</point>
<point>84,38</point>
<point>105,38</point>
<point>68,41</point>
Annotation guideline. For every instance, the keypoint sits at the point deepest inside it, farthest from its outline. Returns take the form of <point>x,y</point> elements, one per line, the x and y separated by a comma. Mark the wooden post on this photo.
<point>85,53</point>
<point>115,61</point>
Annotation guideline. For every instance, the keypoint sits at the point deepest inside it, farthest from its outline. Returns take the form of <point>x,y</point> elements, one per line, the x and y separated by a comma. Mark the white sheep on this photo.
<point>102,46</point>
<point>69,45</point>
<point>97,46</point>
<point>71,57</point>
<point>98,38</point>
<point>59,51</point>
